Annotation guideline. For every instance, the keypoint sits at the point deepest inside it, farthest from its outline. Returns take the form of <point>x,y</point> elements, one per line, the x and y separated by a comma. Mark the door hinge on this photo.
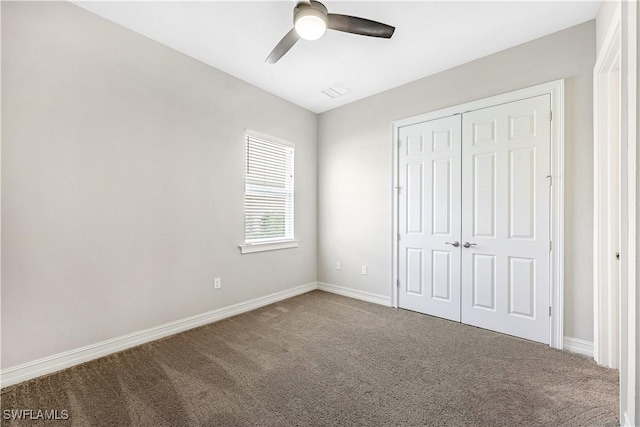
<point>549,311</point>
<point>618,256</point>
<point>398,188</point>
<point>550,178</point>
<point>550,245</point>
<point>550,115</point>
<point>398,283</point>
<point>398,236</point>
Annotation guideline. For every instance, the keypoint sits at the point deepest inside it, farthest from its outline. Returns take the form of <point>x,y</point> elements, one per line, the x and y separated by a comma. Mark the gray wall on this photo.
<point>122,183</point>
<point>354,162</point>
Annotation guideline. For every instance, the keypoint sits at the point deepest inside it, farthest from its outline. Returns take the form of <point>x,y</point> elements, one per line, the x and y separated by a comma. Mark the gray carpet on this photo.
<point>321,359</point>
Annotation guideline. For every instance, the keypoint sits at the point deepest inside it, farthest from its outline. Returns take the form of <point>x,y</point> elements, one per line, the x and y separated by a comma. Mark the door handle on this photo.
<point>468,245</point>
<point>454,244</point>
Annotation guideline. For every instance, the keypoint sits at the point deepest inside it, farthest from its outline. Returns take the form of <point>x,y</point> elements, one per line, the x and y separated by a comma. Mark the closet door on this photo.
<point>506,218</point>
<point>429,217</point>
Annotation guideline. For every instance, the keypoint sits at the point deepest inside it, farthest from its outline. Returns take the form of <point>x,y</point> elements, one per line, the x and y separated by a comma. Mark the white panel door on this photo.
<point>506,218</point>
<point>429,217</point>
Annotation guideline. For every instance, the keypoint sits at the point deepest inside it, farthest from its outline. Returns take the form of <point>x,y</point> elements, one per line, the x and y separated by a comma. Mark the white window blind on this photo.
<point>268,195</point>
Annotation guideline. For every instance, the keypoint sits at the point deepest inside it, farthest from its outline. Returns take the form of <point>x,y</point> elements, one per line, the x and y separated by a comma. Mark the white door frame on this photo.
<point>620,36</point>
<point>556,90</point>
<point>606,198</point>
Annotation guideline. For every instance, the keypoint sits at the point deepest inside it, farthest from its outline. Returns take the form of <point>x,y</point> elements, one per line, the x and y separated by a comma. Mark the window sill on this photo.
<point>268,246</point>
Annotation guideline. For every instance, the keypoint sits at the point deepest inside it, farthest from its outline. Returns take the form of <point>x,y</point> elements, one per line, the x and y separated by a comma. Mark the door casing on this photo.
<point>556,280</point>
<point>620,39</point>
<point>607,194</point>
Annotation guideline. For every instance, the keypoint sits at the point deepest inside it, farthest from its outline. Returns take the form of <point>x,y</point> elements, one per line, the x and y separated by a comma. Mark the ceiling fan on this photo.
<point>311,19</point>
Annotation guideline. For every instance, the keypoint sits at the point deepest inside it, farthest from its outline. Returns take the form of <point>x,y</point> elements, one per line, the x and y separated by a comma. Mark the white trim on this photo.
<point>354,293</point>
<point>557,215</point>
<point>556,90</point>
<point>575,345</point>
<point>70,358</point>
<point>250,248</point>
<point>606,295</point>
<point>630,392</point>
<point>626,420</point>
<point>395,210</point>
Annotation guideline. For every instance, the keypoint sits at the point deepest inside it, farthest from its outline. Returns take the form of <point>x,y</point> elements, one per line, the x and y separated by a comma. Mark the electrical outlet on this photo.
<point>217,283</point>
<point>338,265</point>
<point>363,270</point>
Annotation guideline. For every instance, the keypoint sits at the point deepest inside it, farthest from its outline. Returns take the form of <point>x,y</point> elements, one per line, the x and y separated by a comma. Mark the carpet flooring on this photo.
<point>324,360</point>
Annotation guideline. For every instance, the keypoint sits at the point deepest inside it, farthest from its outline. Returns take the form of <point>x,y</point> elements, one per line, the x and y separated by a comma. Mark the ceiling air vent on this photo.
<point>335,90</point>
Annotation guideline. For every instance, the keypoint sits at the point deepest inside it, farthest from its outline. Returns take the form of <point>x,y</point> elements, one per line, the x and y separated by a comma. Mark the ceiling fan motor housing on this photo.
<point>311,4</point>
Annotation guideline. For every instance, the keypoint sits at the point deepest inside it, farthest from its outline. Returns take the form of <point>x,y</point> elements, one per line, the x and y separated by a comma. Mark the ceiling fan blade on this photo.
<point>355,25</point>
<point>283,46</point>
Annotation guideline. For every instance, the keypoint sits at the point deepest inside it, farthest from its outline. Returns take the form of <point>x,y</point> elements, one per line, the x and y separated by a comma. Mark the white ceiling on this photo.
<point>237,36</point>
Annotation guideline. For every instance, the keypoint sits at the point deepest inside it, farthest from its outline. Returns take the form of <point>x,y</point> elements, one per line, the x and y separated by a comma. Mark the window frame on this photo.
<point>268,244</point>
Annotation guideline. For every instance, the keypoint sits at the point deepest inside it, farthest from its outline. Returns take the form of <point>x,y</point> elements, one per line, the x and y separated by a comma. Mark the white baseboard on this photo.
<point>353,293</point>
<point>70,358</point>
<point>579,346</point>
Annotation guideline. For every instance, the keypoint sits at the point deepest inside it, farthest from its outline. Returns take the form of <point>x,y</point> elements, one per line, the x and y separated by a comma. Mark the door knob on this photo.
<point>468,245</point>
<point>454,244</point>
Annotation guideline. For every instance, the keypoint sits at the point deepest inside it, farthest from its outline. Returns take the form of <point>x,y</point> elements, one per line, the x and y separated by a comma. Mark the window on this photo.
<point>268,194</point>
